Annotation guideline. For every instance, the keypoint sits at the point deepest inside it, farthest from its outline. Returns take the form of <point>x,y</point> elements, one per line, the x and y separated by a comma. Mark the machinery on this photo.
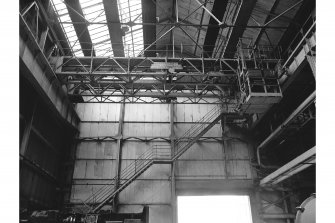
<point>306,211</point>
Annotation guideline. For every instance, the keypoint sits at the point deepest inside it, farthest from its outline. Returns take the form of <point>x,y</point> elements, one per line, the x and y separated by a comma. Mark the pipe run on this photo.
<point>301,107</point>
<point>277,216</point>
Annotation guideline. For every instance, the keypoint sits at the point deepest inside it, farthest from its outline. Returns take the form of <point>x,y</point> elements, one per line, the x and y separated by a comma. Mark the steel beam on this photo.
<point>76,15</point>
<point>300,17</point>
<point>149,32</point>
<point>219,9</point>
<point>48,14</point>
<point>261,31</point>
<point>181,23</point>
<point>114,27</point>
<point>38,169</point>
<point>143,77</point>
<point>36,68</point>
<point>283,13</point>
<point>156,95</point>
<point>169,30</point>
<point>240,25</point>
<point>293,167</point>
<point>309,100</point>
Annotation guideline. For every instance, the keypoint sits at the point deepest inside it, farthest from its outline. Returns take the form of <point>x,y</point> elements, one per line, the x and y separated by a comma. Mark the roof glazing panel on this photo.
<point>131,10</point>
<point>68,29</point>
<point>94,12</point>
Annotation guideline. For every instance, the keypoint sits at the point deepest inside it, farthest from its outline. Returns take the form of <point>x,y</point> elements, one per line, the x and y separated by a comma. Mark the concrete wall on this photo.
<point>218,163</point>
<point>45,145</point>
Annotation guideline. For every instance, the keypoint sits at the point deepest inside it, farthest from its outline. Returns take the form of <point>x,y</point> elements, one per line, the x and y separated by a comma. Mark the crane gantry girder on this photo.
<point>154,77</point>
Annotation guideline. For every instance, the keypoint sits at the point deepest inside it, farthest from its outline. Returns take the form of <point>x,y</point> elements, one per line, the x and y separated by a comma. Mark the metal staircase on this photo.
<point>156,154</point>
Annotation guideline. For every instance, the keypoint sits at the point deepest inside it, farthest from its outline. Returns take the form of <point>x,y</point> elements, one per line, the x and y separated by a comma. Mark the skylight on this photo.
<point>68,29</point>
<point>133,38</point>
<point>94,11</point>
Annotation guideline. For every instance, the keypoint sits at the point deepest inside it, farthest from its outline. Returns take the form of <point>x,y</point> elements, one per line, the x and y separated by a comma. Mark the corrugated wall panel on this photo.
<point>194,169</point>
<point>157,213</point>
<point>82,192</point>
<point>146,192</point>
<point>99,150</point>
<point>98,129</point>
<point>146,130</point>
<point>147,113</point>
<point>157,171</point>
<point>204,151</point>
<point>191,112</point>
<point>239,169</point>
<point>79,169</point>
<point>133,208</point>
<point>160,214</point>
<point>238,150</point>
<point>98,112</point>
<point>94,169</point>
<point>180,129</point>
<point>133,149</point>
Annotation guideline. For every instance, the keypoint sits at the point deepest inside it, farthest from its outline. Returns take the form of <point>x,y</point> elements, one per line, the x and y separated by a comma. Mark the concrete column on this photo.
<point>256,205</point>
<point>173,181</point>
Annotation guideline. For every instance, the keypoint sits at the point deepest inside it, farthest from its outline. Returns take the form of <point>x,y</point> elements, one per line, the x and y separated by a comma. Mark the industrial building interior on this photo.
<point>128,108</point>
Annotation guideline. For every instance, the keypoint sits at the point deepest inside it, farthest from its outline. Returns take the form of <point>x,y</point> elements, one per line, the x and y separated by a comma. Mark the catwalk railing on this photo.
<point>160,154</point>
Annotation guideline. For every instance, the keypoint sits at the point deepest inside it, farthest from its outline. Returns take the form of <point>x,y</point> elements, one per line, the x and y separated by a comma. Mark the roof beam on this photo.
<point>114,27</point>
<point>57,33</point>
<point>267,19</point>
<point>300,17</point>
<point>240,25</point>
<point>219,9</point>
<point>149,32</point>
<point>293,167</point>
<point>76,15</point>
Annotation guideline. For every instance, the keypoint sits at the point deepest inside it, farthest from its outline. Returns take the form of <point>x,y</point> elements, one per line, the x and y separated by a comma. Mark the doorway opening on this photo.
<point>222,208</point>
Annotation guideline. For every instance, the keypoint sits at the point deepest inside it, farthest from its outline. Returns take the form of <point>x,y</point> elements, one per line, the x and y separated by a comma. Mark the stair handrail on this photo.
<point>145,159</point>
<point>107,186</point>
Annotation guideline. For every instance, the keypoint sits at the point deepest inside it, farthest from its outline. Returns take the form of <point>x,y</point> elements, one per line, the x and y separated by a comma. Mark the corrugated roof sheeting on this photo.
<point>186,7</point>
<point>182,42</point>
<point>260,14</point>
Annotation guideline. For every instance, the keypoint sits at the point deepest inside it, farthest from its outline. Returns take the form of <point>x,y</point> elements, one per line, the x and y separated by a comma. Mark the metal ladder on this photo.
<point>156,154</point>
